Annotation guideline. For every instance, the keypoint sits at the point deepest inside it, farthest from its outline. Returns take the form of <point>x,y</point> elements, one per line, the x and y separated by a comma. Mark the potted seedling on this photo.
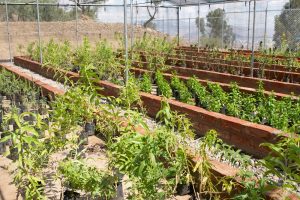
<point>146,83</point>
<point>184,189</point>
<point>89,127</point>
<point>76,175</point>
<point>175,85</point>
<point>163,88</point>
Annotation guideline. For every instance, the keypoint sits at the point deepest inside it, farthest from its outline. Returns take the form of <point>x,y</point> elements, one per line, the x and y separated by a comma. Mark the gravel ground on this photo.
<point>39,77</point>
<point>248,164</point>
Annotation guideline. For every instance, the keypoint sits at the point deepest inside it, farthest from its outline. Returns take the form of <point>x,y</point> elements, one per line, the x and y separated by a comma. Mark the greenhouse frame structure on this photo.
<point>129,4</point>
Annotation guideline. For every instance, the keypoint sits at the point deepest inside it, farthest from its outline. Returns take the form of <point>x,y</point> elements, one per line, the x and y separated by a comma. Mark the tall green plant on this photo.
<point>161,167</point>
<point>77,175</point>
<point>163,87</point>
<point>284,161</point>
<point>31,152</point>
<point>83,54</point>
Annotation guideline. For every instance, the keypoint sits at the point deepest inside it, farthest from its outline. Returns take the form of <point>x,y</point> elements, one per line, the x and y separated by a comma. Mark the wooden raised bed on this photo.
<point>235,63</point>
<point>220,65</point>
<point>228,68</point>
<point>46,89</point>
<point>247,84</point>
<point>246,63</point>
<point>242,134</point>
<point>245,52</point>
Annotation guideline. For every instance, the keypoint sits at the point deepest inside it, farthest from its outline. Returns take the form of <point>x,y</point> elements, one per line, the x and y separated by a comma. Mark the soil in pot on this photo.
<point>158,92</point>
<point>13,154</point>
<point>75,69</point>
<point>264,121</point>
<point>224,110</point>
<point>71,195</point>
<point>184,189</point>
<point>198,102</point>
<point>176,94</point>
<point>24,107</point>
<point>29,118</point>
<point>90,128</point>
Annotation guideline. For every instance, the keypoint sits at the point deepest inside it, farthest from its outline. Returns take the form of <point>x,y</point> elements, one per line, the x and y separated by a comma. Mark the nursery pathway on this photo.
<point>8,190</point>
<point>35,76</point>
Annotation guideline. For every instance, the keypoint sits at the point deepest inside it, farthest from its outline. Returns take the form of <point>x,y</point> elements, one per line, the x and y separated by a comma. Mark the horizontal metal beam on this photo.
<point>92,4</point>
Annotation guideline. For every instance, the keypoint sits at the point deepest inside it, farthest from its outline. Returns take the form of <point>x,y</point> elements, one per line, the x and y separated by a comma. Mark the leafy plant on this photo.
<point>31,152</point>
<point>251,189</point>
<point>225,151</point>
<point>180,91</point>
<point>79,176</point>
<point>107,65</point>
<point>165,115</point>
<point>234,101</point>
<point>163,87</point>
<point>207,186</point>
<point>11,85</point>
<point>284,161</point>
<point>199,92</point>
<point>83,55</point>
<point>57,55</point>
<point>161,167</point>
<point>32,51</point>
<point>257,108</point>
<point>155,51</point>
<point>129,96</point>
<point>218,100</point>
<point>146,83</point>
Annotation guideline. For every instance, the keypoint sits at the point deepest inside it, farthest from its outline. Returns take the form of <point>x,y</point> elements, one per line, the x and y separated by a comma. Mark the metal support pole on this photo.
<point>168,20</point>
<point>253,37</point>
<point>131,24</point>
<point>248,36</point>
<point>8,32</point>
<point>163,22</point>
<point>178,26</point>
<point>136,14</point>
<point>266,24</point>
<point>189,30</point>
<point>39,28</point>
<point>76,16</point>
<point>198,44</point>
<point>222,31</point>
<point>126,41</point>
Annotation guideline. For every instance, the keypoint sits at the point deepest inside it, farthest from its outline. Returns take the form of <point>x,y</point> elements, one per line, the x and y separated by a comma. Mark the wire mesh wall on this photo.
<point>231,25</point>
<point>219,25</point>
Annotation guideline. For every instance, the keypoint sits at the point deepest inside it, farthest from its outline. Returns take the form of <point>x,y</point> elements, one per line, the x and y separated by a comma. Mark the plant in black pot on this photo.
<point>199,92</point>
<point>77,175</point>
<point>163,87</point>
<point>32,156</point>
<point>180,91</point>
<point>146,83</point>
<point>175,85</point>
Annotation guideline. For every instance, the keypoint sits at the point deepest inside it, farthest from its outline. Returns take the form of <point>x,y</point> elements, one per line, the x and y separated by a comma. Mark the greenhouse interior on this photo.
<point>150,99</point>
